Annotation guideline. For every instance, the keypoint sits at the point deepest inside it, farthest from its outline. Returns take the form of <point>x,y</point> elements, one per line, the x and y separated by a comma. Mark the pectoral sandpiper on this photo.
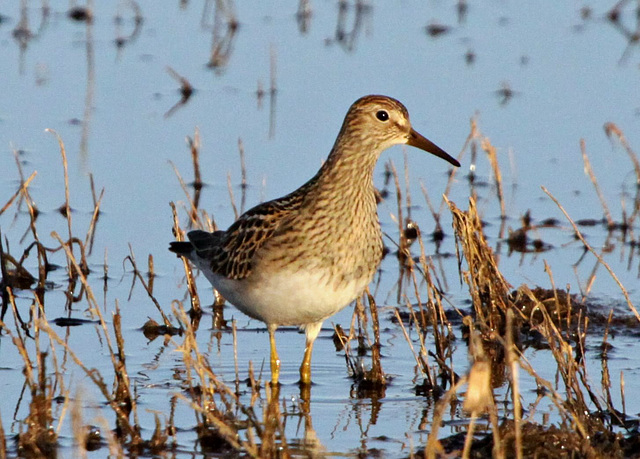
<point>299,259</point>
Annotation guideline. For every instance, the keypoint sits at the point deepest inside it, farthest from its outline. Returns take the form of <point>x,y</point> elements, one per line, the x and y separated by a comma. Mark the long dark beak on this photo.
<point>418,141</point>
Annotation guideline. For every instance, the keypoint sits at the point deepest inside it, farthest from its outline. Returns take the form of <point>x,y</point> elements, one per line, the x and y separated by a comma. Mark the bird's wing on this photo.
<point>230,253</point>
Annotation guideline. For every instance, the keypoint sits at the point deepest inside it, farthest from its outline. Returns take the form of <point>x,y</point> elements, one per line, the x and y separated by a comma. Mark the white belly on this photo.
<point>287,297</point>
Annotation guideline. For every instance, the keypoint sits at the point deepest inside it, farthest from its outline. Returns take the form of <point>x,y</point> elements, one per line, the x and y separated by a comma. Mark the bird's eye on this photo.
<point>382,115</point>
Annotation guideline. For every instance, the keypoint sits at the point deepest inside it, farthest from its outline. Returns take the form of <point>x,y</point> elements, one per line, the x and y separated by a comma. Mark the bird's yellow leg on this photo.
<point>305,368</point>
<point>311,331</point>
<point>275,359</point>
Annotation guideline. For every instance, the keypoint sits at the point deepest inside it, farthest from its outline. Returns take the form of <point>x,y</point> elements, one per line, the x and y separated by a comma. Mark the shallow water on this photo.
<point>569,76</point>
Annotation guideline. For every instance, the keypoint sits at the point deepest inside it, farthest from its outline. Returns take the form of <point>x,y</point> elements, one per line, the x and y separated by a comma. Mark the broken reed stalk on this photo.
<point>611,129</point>
<point>191,283</point>
<point>234,334</point>
<point>42,255</point>
<point>434,448</point>
<point>23,186</point>
<point>194,148</point>
<point>598,257</point>
<point>115,361</point>
<point>622,397</point>
<point>273,442</point>
<point>123,385</point>
<point>439,322</point>
<point>430,316</point>
<point>80,432</point>
<point>3,440</point>
<point>66,210</point>
<point>59,383</point>
<point>193,210</point>
<point>594,181</point>
<point>407,189</point>
<point>359,321</point>
<point>453,171</point>
<point>345,342</point>
<point>376,375</point>
<point>215,404</point>
<point>438,232</point>
<point>488,288</point>
<point>40,439</point>
<point>131,258</point>
<point>548,390</point>
<point>512,363</point>
<point>6,286</point>
<point>422,361</point>
<point>571,372</point>
<point>67,207</point>
<point>130,430</point>
<point>495,166</point>
<point>403,248</point>
<point>605,381</point>
<point>231,197</point>
<point>94,218</point>
<point>151,275</point>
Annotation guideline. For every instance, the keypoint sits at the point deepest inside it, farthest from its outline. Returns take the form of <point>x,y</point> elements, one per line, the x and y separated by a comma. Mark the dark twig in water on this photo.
<point>194,148</point>
<point>222,45</point>
<point>122,40</point>
<point>273,90</point>
<point>186,91</point>
<point>303,15</point>
<point>243,172</point>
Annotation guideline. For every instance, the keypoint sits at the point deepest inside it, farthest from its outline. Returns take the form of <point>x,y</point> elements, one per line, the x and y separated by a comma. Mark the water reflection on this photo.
<point>223,25</point>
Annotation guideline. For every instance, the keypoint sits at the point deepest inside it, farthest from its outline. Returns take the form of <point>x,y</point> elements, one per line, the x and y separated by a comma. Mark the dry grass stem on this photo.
<point>594,181</point>
<point>66,210</point>
<point>512,362</point>
<point>376,375</point>
<point>599,258</point>
<point>21,189</point>
<point>194,148</point>
<point>495,167</point>
<point>191,283</point>
<point>434,448</point>
<point>611,129</point>
<point>488,288</point>
<point>123,421</point>
<point>137,274</point>
<point>232,197</point>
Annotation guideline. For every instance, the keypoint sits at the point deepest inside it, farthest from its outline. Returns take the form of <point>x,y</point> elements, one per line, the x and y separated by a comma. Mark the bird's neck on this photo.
<point>344,184</point>
<point>350,166</point>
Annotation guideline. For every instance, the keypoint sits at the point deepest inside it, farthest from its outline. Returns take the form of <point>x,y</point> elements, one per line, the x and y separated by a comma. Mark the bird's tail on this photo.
<point>181,248</point>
